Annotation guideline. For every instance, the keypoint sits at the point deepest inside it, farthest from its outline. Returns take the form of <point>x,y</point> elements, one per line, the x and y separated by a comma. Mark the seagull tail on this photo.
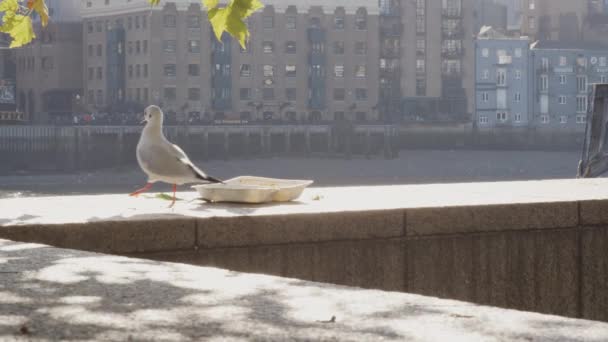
<point>202,176</point>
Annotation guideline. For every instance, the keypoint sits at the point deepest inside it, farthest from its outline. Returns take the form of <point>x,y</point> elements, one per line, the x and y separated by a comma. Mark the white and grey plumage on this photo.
<point>163,161</point>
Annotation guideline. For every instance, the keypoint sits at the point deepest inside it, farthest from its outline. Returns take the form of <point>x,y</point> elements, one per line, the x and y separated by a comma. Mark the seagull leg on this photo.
<point>173,202</point>
<point>137,192</point>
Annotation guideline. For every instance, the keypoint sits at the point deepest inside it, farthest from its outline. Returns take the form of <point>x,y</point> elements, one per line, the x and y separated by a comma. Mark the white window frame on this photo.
<point>517,97</point>
<point>563,79</point>
<point>483,119</point>
<point>581,119</point>
<point>502,116</point>
<point>485,96</point>
<point>518,117</point>
<point>544,118</point>
<point>562,100</point>
<point>563,119</point>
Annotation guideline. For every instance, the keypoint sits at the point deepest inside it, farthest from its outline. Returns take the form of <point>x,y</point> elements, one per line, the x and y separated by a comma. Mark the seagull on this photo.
<point>163,161</point>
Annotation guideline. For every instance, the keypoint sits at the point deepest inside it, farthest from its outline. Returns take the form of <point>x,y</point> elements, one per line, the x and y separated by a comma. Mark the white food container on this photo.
<point>250,189</point>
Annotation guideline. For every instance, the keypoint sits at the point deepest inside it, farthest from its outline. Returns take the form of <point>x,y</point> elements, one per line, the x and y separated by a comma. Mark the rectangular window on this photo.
<point>501,77</point>
<point>145,46</point>
<point>194,46</point>
<point>517,52</point>
<point>169,45</point>
<point>563,119</point>
<point>268,94</point>
<point>290,22</point>
<point>145,73</point>
<point>563,61</point>
<point>420,25</point>
<point>581,84</point>
<point>420,46</point>
<point>581,104</point>
<point>268,22</point>
<point>268,47</point>
<point>603,79</point>
<point>420,66</point>
<point>268,70</point>
<point>194,94</point>
<point>99,73</point>
<point>91,73</point>
<point>339,94</point>
<point>360,71</point>
<point>360,48</point>
<point>518,117</point>
<point>483,119</point>
<point>290,94</point>
<point>517,97</point>
<point>194,21</point>
<point>169,20</point>
<point>562,79</point>
<point>290,70</point>
<point>290,47</point>
<point>517,74</point>
<point>245,93</point>
<point>194,70</point>
<point>170,70</point>
<point>339,22</point>
<point>485,97</point>
<point>544,64</point>
<point>561,99</point>
<point>420,87</point>
<point>501,116</point>
<point>170,94</point>
<point>581,119</point>
<point>485,74</point>
<point>339,71</point>
<point>361,94</point>
<point>544,82</point>
<point>245,70</point>
<point>544,118</point>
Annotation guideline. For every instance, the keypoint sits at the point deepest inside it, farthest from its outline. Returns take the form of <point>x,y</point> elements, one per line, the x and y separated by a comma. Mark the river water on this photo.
<point>412,167</point>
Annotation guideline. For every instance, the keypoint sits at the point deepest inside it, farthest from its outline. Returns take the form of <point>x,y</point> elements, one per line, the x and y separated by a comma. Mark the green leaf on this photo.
<point>166,197</point>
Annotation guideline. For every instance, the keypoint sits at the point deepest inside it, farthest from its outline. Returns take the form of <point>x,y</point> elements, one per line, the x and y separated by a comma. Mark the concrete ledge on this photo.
<point>51,294</point>
<point>537,245</point>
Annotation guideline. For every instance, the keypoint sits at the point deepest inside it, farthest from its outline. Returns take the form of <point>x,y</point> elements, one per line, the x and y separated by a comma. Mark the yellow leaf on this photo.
<point>153,2</point>
<point>230,19</point>
<point>22,31</point>
<point>210,4</point>
<point>40,7</point>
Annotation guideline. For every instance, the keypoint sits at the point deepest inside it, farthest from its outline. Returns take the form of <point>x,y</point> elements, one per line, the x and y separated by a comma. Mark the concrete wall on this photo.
<point>550,257</point>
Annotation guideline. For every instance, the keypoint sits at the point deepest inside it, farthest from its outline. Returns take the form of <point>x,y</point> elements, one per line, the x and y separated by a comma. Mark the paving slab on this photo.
<point>50,294</point>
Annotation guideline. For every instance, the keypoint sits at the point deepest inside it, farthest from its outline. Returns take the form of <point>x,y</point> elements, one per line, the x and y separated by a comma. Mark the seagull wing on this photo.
<point>166,160</point>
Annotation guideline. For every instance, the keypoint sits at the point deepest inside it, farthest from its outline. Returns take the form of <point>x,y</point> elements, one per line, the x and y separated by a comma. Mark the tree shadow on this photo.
<point>59,294</point>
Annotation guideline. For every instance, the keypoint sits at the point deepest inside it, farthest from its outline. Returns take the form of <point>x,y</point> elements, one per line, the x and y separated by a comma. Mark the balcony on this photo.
<point>451,13</point>
<point>452,53</point>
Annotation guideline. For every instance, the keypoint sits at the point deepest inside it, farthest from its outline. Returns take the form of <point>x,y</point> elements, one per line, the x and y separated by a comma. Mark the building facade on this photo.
<point>305,61</point>
<point>427,66</point>
<point>502,83</point>
<point>555,20</point>
<point>560,80</point>
<point>49,81</point>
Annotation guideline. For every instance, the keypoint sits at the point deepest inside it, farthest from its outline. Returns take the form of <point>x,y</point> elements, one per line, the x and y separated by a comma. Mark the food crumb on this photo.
<point>317,198</point>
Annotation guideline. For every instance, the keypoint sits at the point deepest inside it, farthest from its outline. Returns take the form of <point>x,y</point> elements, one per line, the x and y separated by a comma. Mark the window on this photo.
<point>144,24</point>
<point>483,119</point>
<point>268,47</point>
<point>169,46</point>
<point>563,61</point>
<point>420,46</point>
<point>485,97</point>
<point>602,61</point>
<point>338,116</point>
<point>501,77</point>
<point>339,71</point>
<point>518,74</point>
<point>137,24</point>
<point>170,94</point>
<point>99,73</point>
<point>91,96</point>
<point>267,21</point>
<point>485,52</point>
<point>420,87</point>
<point>194,21</point>
<point>290,70</point>
<point>420,25</point>
<point>90,27</point>
<point>532,23</point>
<point>532,5</point>
<point>420,66</point>
<point>563,119</point>
<point>268,94</point>
<point>170,70</point>
<point>91,73</point>
<point>603,79</point>
<point>99,96</point>
<point>129,47</point>
<point>290,47</point>
<point>517,97</point>
<point>581,119</point>
<point>517,52</point>
<point>145,46</point>
<point>339,94</point>
<point>98,26</point>
<point>544,64</point>
<point>544,82</point>
<point>339,48</point>
<point>245,70</point>
<point>361,94</point>
<point>290,22</point>
<point>194,94</point>
<point>360,71</point>
<point>562,79</point>
<point>99,50</point>
<point>290,94</point>
<point>194,70</point>
<point>581,104</point>
<point>138,71</point>
<point>138,47</point>
<point>561,99</point>
<point>194,46</point>
<point>517,117</point>
<point>90,50</point>
<point>581,84</point>
<point>544,118</point>
<point>145,72</point>
<point>268,70</point>
<point>169,21</point>
<point>501,116</point>
<point>485,74</point>
<point>361,19</point>
<point>339,22</point>
<point>360,48</point>
<point>130,23</point>
<point>245,94</point>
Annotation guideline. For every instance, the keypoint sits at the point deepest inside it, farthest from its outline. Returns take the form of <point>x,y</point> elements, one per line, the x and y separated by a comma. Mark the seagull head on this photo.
<point>153,115</point>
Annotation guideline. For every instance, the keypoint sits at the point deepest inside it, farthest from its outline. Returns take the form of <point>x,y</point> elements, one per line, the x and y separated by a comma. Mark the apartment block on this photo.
<point>502,69</point>
<point>306,61</point>
<point>555,20</point>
